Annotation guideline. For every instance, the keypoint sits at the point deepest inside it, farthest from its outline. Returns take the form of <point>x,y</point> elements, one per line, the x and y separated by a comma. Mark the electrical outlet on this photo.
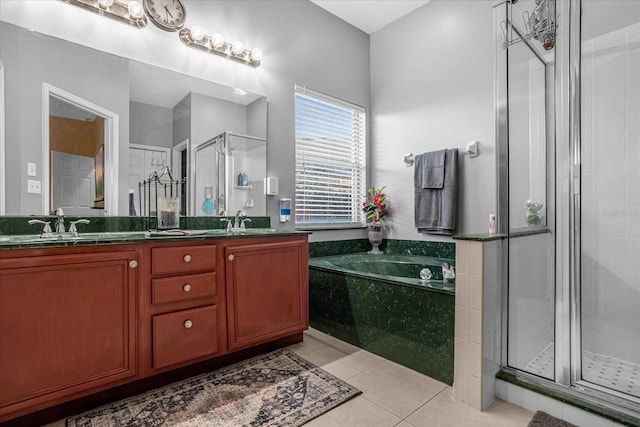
<point>31,169</point>
<point>33,186</point>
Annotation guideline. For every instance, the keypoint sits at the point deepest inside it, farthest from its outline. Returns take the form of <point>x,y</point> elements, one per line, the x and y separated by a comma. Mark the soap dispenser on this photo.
<point>285,210</point>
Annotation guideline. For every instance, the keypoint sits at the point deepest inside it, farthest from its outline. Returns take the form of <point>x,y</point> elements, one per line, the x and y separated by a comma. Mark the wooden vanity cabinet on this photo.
<point>80,320</point>
<point>267,289</point>
<point>67,324</point>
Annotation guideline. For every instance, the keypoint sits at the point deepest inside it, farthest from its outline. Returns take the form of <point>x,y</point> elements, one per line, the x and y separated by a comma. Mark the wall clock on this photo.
<point>168,15</point>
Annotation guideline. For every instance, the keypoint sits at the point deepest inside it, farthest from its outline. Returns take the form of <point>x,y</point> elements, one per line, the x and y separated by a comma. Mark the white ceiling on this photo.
<point>370,15</point>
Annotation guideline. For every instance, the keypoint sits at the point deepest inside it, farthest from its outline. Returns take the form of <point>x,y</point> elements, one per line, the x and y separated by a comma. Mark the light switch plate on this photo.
<point>33,186</point>
<point>31,169</point>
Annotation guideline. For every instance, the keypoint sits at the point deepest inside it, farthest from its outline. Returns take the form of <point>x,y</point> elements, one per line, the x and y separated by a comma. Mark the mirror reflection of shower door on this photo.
<point>205,179</point>
<point>609,241</point>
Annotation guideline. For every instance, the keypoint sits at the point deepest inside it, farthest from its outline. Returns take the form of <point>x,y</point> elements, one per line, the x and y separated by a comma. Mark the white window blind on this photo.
<point>330,161</point>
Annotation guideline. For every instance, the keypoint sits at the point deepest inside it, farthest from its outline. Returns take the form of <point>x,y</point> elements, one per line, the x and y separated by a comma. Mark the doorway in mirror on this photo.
<point>74,147</point>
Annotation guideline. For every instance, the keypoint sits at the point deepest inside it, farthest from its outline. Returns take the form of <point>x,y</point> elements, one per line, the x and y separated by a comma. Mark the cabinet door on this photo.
<point>67,324</point>
<point>266,291</point>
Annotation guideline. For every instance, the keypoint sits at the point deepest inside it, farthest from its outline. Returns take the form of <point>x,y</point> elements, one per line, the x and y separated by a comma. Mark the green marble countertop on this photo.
<point>123,237</point>
<point>519,232</point>
<point>482,237</point>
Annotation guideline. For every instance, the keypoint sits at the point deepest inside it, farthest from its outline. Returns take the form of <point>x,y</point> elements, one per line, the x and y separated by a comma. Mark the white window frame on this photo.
<point>331,161</point>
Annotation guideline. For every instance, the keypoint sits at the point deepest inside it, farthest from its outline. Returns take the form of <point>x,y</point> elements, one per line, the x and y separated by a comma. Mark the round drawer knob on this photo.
<point>231,257</point>
<point>133,263</point>
<point>188,324</point>
<point>187,288</point>
<point>187,258</point>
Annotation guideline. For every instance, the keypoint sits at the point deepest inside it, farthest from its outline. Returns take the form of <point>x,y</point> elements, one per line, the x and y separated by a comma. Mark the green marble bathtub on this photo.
<point>378,303</point>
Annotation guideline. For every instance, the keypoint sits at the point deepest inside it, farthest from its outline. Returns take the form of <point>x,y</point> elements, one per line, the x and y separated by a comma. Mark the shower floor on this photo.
<point>599,369</point>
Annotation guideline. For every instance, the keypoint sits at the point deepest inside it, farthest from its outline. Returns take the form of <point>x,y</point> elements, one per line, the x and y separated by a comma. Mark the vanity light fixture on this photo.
<point>132,12</point>
<point>197,39</point>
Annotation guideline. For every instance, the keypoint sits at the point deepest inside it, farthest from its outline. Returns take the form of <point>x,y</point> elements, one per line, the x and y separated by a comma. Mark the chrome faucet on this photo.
<point>238,222</point>
<point>60,232</point>
<point>60,221</point>
<point>241,218</point>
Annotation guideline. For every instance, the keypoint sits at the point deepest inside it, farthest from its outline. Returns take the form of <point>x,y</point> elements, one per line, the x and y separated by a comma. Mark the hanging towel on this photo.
<point>435,208</point>
<point>433,169</point>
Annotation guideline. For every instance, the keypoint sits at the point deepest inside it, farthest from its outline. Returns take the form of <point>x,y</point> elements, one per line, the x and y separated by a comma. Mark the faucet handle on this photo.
<point>72,227</point>
<point>47,225</point>
<point>242,226</point>
<point>228,221</point>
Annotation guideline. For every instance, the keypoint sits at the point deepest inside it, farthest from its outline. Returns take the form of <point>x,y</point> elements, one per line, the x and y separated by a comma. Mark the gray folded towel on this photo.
<point>435,209</point>
<point>432,166</point>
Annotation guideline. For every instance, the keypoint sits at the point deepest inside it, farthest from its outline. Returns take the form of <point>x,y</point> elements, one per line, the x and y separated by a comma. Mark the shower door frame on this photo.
<point>568,346</point>
<point>610,395</point>
<point>501,96</point>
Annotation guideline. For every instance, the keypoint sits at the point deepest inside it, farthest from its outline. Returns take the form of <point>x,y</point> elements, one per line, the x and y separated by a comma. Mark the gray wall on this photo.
<point>29,61</point>
<point>432,88</point>
<point>211,116</point>
<point>256,118</point>
<point>182,120</point>
<point>150,125</point>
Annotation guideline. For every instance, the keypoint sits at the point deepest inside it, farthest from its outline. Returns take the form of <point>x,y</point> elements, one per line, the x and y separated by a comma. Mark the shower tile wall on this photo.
<point>611,194</point>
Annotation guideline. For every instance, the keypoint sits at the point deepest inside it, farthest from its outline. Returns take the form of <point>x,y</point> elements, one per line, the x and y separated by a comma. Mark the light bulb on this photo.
<point>135,10</point>
<point>196,33</point>
<point>105,3</point>
<point>237,47</point>
<point>217,40</point>
<point>256,54</point>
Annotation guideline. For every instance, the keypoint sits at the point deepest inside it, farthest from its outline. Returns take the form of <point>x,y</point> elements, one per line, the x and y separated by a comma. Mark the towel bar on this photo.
<point>472,150</point>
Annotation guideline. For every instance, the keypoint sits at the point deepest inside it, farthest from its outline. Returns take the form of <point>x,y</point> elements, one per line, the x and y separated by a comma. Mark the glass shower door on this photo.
<point>531,242</point>
<point>609,250</point>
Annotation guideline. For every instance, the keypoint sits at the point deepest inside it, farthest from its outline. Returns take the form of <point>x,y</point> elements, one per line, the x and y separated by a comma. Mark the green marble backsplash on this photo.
<point>10,225</point>
<point>405,247</point>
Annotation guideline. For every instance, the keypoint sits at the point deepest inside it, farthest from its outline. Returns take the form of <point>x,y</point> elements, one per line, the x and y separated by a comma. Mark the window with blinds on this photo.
<point>330,161</point>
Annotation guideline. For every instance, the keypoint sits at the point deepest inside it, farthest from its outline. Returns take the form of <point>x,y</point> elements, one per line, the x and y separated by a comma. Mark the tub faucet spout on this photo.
<point>448,273</point>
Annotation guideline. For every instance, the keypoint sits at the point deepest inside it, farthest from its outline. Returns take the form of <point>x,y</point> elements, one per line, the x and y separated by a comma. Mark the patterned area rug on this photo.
<point>275,389</point>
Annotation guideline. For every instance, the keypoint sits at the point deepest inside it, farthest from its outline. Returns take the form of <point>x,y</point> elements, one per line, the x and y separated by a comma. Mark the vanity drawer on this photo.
<point>180,288</point>
<point>183,259</point>
<point>184,335</point>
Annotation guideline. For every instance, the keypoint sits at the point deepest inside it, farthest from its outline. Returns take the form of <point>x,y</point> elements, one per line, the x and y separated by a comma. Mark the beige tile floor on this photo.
<point>392,395</point>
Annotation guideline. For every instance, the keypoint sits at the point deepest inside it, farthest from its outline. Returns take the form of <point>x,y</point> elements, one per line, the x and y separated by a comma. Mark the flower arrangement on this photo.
<point>375,206</point>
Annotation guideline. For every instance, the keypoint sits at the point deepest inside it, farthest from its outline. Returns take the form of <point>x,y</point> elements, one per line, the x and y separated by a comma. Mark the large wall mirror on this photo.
<point>96,124</point>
